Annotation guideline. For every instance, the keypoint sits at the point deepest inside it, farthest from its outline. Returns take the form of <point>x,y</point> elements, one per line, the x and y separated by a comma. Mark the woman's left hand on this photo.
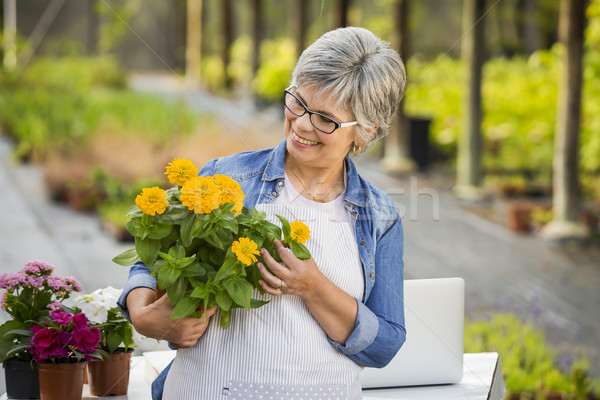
<point>297,277</point>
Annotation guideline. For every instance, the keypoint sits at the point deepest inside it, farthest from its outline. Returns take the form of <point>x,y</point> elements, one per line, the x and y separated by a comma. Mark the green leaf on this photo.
<point>127,258</point>
<point>254,303</point>
<point>159,231</point>
<point>285,226</point>
<point>193,270</point>
<point>185,307</point>
<point>299,250</point>
<point>225,318</point>
<point>134,211</point>
<point>228,222</point>
<point>177,291</point>
<point>187,227</point>
<point>224,300</point>
<point>113,341</point>
<point>215,241</point>
<point>133,226</point>
<point>167,257</point>
<point>227,269</point>
<point>16,349</point>
<point>200,292</point>
<point>240,291</point>
<point>147,249</point>
<point>167,276</point>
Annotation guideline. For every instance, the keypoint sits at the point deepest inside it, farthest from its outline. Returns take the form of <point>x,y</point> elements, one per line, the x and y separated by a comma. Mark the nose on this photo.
<point>303,123</point>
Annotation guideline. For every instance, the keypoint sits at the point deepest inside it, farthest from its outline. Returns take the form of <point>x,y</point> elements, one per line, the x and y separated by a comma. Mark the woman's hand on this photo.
<point>299,277</point>
<point>334,309</point>
<point>153,319</point>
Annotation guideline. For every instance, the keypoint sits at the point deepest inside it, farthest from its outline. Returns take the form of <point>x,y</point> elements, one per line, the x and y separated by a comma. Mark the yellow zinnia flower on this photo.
<point>152,200</point>
<point>300,232</point>
<point>245,250</point>
<point>200,194</point>
<point>230,192</point>
<point>179,171</point>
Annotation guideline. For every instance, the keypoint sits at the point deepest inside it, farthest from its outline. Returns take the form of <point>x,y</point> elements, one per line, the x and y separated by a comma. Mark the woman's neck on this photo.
<point>314,183</point>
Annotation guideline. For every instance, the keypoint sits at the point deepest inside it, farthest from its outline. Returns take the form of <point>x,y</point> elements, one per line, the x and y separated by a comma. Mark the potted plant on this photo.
<point>202,245</point>
<point>109,375</point>
<point>61,345</point>
<point>28,297</point>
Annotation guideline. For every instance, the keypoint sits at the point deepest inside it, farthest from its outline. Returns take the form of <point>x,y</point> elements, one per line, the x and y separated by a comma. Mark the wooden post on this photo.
<point>257,34</point>
<point>10,34</point>
<point>340,13</point>
<point>566,197</point>
<point>227,32</point>
<point>193,44</point>
<point>396,156</point>
<point>300,17</point>
<point>469,141</point>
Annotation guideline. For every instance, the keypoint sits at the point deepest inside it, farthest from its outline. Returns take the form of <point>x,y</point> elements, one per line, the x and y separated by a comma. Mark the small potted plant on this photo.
<point>109,375</point>
<point>28,297</point>
<point>61,345</point>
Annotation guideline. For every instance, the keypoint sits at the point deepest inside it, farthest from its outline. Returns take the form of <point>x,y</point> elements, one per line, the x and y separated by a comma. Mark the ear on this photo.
<point>359,142</point>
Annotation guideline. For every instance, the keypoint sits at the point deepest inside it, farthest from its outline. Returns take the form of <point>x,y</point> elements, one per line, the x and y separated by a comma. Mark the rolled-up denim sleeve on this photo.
<point>379,330</point>
<point>139,276</point>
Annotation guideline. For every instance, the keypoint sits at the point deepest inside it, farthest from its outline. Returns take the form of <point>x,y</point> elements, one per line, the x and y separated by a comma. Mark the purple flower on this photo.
<point>38,268</point>
<point>73,283</point>
<point>56,306</point>
<point>61,317</point>
<point>48,343</point>
<point>86,339</point>
<point>3,301</point>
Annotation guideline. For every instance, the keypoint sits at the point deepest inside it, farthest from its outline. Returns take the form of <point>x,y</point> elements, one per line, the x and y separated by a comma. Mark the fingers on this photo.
<point>285,253</point>
<point>271,284</point>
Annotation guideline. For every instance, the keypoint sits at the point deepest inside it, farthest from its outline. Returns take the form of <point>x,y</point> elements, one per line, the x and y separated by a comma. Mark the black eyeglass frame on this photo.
<point>336,124</point>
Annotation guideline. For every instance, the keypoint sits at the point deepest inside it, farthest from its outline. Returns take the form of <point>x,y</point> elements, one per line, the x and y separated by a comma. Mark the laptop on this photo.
<point>432,354</point>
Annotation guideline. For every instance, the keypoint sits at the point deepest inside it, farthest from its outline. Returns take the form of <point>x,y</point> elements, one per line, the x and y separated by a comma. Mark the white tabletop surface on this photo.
<point>482,380</point>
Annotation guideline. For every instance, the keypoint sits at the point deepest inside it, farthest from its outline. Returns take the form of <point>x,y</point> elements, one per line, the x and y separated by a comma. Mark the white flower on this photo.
<point>96,305</point>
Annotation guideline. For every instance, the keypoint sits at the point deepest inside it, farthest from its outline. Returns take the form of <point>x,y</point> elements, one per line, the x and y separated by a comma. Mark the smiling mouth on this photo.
<point>303,141</point>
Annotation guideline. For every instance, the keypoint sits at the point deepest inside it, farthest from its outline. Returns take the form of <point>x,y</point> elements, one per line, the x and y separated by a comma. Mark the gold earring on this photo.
<point>356,154</point>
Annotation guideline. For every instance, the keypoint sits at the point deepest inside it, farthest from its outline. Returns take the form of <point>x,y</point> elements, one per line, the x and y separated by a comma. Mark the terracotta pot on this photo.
<point>22,380</point>
<point>518,217</point>
<point>61,381</point>
<point>110,376</point>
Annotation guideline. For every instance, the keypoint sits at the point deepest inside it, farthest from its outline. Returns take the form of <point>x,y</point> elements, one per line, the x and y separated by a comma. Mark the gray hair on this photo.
<point>365,74</point>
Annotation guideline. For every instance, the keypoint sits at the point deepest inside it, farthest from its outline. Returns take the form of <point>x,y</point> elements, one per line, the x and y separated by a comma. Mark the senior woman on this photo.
<point>343,308</point>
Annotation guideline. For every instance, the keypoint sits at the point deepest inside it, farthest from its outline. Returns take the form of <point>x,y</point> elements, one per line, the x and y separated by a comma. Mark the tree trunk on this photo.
<point>396,154</point>
<point>469,146</point>
<point>257,33</point>
<point>227,32</point>
<point>300,17</point>
<point>566,199</point>
<point>193,44</point>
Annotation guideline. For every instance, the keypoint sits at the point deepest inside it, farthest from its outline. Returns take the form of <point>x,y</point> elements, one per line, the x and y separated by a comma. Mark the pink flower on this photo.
<point>61,317</point>
<point>73,283</point>
<point>38,268</point>
<point>86,339</point>
<point>56,306</point>
<point>48,343</point>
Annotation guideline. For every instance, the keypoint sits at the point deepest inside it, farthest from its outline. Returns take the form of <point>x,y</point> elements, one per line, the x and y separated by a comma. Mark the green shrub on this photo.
<point>528,363</point>
<point>60,103</point>
<point>277,61</point>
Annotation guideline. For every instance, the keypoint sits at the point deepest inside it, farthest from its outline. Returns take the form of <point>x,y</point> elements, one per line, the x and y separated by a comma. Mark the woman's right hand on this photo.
<point>152,318</point>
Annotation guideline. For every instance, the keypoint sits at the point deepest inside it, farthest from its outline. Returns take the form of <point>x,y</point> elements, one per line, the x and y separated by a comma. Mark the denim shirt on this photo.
<point>379,330</point>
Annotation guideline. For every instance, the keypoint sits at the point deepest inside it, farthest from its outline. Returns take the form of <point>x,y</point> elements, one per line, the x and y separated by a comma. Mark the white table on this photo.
<point>482,380</point>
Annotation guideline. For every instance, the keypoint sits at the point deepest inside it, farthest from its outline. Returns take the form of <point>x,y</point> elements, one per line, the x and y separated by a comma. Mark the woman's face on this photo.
<point>310,147</point>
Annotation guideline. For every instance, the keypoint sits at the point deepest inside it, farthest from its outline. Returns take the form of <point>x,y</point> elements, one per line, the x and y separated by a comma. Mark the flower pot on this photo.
<point>110,376</point>
<point>22,380</point>
<point>518,216</point>
<point>61,381</point>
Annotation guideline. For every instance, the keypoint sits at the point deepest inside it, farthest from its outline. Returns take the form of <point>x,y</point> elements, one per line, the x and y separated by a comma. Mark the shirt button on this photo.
<point>371,275</point>
<point>280,183</point>
<point>274,193</point>
<point>362,242</point>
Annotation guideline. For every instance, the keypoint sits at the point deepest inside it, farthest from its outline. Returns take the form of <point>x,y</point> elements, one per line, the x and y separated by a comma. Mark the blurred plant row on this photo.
<point>531,369</point>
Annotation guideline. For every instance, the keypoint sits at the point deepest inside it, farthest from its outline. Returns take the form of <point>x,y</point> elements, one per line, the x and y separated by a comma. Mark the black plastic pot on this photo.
<point>22,380</point>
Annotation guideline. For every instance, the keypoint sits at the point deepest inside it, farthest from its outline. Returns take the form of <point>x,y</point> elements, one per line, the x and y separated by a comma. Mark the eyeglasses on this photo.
<point>320,121</point>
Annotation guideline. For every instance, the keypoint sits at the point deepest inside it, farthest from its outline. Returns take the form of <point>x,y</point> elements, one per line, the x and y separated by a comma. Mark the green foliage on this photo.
<point>528,363</point>
<point>60,103</point>
<point>277,61</point>
<point>519,107</point>
<point>205,259</point>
